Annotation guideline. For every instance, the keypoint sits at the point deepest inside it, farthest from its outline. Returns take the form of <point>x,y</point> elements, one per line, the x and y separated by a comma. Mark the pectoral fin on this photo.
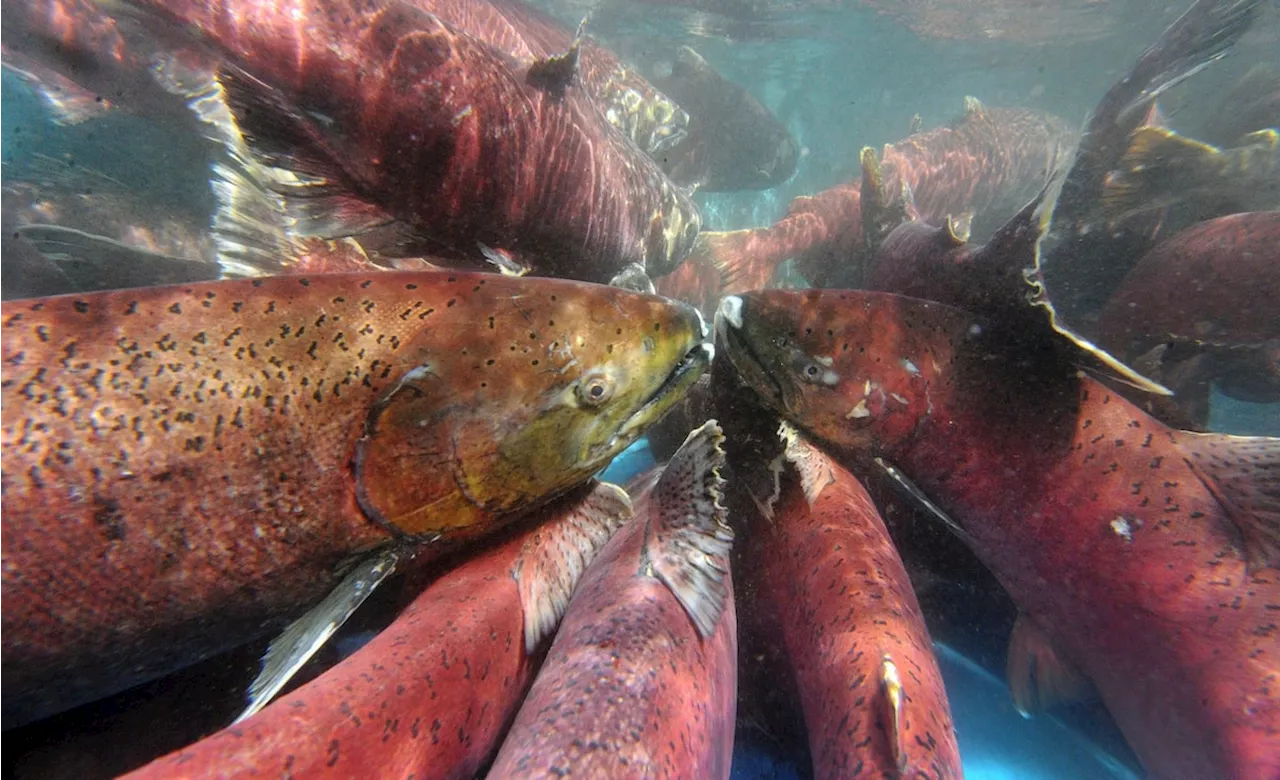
<point>302,638</point>
<point>554,558</point>
<point>687,543</point>
<point>1039,678</point>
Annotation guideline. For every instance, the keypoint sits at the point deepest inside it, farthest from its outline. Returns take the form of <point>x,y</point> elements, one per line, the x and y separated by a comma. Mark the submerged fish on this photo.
<point>1162,168</point>
<point>390,114</point>
<point>733,142</point>
<point>1201,307</point>
<point>1146,556</point>
<point>188,467</point>
<point>442,681</point>
<point>1089,255</point>
<point>641,679</point>
<point>990,160</point>
<point>873,698</point>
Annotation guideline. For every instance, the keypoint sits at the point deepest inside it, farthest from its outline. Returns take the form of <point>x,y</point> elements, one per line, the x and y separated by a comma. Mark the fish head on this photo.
<point>860,370</point>
<point>536,390</point>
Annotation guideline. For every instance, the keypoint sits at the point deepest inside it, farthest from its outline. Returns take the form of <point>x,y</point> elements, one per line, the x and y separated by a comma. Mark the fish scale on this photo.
<point>1119,537</point>
<point>218,451</point>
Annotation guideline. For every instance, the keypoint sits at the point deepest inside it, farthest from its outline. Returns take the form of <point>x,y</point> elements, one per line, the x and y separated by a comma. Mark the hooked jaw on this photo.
<point>737,343</point>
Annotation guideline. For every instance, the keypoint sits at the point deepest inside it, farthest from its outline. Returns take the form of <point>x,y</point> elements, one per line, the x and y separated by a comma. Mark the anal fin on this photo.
<point>688,541</point>
<point>304,637</point>
<point>1039,678</point>
<point>813,466</point>
<point>1243,473</point>
<point>554,558</point>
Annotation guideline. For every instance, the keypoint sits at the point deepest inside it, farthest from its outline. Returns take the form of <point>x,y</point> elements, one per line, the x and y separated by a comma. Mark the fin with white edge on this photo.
<point>554,558</point>
<point>895,701</point>
<point>687,541</point>
<point>304,637</point>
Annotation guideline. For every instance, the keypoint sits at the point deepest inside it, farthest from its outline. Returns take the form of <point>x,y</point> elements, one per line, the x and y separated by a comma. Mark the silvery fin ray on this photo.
<point>1087,258</point>
<point>367,150</point>
<point>304,637</point>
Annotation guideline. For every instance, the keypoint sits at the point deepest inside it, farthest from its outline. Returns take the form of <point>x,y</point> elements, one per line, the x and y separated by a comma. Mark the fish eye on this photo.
<point>812,372</point>
<point>595,389</point>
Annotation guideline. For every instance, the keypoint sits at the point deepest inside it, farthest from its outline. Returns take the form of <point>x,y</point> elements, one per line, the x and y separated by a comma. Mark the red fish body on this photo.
<point>874,703</point>
<point>407,118</point>
<point>641,679</point>
<point>1146,555</point>
<point>431,695</point>
<point>990,159</point>
<point>1215,284</point>
<point>185,467</point>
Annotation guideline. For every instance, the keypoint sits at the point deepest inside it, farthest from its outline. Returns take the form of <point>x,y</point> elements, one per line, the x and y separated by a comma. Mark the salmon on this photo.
<point>393,115</point>
<point>985,161</point>
<point>432,693</point>
<point>1144,556</point>
<point>641,679</point>
<point>188,467</point>
<point>873,698</point>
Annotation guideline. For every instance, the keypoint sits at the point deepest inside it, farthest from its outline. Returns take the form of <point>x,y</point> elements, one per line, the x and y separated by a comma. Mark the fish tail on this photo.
<point>688,541</point>
<point>1159,165</point>
<point>739,269</point>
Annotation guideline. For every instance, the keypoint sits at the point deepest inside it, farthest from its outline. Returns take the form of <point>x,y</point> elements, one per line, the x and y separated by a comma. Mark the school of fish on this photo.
<point>452,266</point>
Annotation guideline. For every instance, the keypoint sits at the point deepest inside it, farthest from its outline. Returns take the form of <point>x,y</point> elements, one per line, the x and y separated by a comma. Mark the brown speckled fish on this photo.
<point>431,694</point>
<point>1147,557</point>
<point>187,467</point>
<point>873,699</point>
<point>641,680</point>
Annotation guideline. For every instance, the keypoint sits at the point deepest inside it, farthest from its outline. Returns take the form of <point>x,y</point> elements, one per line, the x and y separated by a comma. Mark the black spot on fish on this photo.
<point>109,518</point>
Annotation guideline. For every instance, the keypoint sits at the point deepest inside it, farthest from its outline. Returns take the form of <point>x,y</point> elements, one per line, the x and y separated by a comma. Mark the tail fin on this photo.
<point>1155,171</point>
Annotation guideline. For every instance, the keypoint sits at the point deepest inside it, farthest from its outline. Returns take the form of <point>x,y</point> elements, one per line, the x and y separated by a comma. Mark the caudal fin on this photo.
<point>1154,171</point>
<point>688,542</point>
<point>1039,678</point>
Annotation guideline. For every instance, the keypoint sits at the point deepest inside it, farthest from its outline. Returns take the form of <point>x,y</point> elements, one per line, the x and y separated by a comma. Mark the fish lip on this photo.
<point>685,373</point>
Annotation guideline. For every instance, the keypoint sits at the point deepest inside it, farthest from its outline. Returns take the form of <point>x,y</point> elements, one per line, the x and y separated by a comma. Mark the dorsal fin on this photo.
<point>555,74</point>
<point>1243,473</point>
<point>972,106</point>
<point>687,543</point>
<point>916,125</point>
<point>959,227</point>
<point>1039,678</point>
<point>553,559</point>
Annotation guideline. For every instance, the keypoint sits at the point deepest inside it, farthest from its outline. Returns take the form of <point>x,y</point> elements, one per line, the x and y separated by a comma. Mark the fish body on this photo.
<point>1146,555</point>
<point>991,159</point>
<point>651,119</point>
<point>733,141</point>
<point>1199,308</point>
<point>641,680</point>
<point>188,467</point>
<point>395,115</point>
<point>1162,168</point>
<point>432,693</point>
<point>852,627</point>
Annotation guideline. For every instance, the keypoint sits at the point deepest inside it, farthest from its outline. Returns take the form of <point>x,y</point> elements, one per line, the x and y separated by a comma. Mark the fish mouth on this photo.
<point>742,353</point>
<point>672,389</point>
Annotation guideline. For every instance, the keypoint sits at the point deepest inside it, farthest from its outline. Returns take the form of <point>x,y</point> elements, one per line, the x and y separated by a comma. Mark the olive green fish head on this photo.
<point>526,389</point>
<point>860,370</point>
